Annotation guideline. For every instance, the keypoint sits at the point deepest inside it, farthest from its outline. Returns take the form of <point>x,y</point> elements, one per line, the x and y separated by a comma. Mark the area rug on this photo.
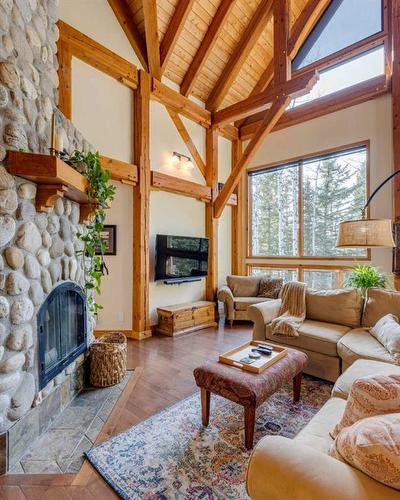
<point>172,456</point>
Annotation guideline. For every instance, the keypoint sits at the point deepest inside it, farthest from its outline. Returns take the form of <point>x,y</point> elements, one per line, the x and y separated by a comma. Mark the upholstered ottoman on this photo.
<point>248,389</point>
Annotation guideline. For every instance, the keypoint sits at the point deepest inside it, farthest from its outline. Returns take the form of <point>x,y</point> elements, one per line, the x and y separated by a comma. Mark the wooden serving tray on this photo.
<point>234,356</point>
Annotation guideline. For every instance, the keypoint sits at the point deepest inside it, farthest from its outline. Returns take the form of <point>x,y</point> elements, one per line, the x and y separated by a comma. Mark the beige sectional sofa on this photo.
<point>335,332</point>
<point>238,294</point>
<point>300,468</point>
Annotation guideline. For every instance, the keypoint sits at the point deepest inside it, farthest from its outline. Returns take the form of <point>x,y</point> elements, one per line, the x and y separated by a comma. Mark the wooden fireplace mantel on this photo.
<point>56,178</point>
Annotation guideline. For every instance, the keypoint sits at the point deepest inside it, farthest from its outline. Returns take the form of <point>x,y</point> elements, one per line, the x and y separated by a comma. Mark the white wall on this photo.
<point>102,110</point>
<point>372,121</point>
<point>224,225</point>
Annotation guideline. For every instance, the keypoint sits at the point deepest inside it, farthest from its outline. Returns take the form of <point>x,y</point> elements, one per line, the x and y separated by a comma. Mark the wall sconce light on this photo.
<point>183,161</point>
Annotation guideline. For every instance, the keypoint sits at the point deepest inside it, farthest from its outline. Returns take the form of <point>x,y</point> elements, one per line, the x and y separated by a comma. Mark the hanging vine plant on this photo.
<point>100,193</point>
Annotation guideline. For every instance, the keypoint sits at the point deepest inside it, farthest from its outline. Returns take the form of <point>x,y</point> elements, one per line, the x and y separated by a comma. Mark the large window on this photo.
<point>358,69</point>
<point>320,279</point>
<point>295,208</point>
<point>344,23</point>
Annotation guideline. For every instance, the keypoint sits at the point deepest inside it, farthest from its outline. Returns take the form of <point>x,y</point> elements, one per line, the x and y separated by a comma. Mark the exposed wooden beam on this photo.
<point>172,184</point>
<point>396,114</point>
<point>180,104</point>
<point>295,87</point>
<point>127,173</point>
<point>211,221</point>
<point>206,46</point>
<point>249,38</point>
<point>125,18</point>
<point>98,56</point>
<point>151,35</point>
<point>180,126</point>
<point>345,98</point>
<point>271,117</point>
<point>237,234</point>
<point>302,27</point>
<point>281,59</point>
<point>141,215</point>
<point>228,131</point>
<point>64,56</point>
<point>173,31</point>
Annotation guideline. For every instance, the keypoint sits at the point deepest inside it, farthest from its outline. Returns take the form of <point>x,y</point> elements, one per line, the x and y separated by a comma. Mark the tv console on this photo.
<point>185,318</point>
<point>179,281</point>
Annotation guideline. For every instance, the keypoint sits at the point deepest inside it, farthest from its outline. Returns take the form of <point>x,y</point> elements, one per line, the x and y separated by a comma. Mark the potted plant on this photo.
<point>364,277</point>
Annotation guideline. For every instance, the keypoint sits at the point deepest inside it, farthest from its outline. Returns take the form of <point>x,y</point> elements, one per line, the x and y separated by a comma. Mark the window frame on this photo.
<point>300,256</point>
<point>300,268</point>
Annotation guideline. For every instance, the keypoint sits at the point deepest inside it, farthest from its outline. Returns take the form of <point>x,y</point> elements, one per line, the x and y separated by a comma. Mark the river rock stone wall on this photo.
<point>37,250</point>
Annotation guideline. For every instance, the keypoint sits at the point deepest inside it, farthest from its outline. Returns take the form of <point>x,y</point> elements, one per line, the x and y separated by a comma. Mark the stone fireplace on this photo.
<point>62,327</point>
<point>44,326</point>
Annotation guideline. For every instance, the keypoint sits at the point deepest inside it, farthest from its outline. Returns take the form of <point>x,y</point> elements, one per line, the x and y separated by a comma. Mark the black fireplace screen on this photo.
<point>62,330</point>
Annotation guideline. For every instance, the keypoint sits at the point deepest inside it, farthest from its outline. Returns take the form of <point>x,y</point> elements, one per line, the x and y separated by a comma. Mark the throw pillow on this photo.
<point>387,332</point>
<point>372,445</point>
<point>369,396</point>
<point>270,287</point>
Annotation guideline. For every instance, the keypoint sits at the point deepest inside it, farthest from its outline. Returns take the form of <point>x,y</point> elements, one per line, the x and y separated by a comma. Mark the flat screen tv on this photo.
<point>181,258</point>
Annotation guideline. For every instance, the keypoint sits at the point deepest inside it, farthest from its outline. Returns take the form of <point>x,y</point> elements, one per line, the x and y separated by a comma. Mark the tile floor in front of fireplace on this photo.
<point>74,431</point>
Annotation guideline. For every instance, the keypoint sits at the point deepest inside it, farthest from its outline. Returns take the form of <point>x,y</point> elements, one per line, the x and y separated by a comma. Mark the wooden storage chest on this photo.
<point>184,318</point>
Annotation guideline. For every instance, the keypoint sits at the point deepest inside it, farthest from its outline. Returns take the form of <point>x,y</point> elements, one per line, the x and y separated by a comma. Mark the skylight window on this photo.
<point>359,69</point>
<point>343,23</point>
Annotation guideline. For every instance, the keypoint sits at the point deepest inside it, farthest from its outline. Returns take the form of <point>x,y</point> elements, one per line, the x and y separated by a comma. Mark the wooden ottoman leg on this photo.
<point>297,387</point>
<point>205,406</point>
<point>249,421</point>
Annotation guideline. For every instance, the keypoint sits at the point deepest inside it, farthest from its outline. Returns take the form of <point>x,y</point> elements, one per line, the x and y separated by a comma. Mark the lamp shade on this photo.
<point>367,233</point>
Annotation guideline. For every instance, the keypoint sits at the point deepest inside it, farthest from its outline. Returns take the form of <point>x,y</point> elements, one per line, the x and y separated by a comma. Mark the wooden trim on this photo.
<point>206,46</point>
<point>282,70</point>
<point>336,101</point>
<point>164,182</point>
<point>126,173</point>
<point>237,217</point>
<point>261,102</point>
<point>125,18</point>
<point>211,222</point>
<point>396,114</point>
<point>180,104</point>
<point>272,115</point>
<point>89,51</point>
<point>249,38</point>
<point>173,31</point>
<point>296,266</point>
<point>300,256</point>
<point>344,54</point>
<point>180,126</point>
<point>151,36</point>
<point>141,209</point>
<point>64,56</point>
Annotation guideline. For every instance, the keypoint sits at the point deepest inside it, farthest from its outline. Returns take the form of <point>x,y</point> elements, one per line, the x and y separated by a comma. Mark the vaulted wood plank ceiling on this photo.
<point>241,49</point>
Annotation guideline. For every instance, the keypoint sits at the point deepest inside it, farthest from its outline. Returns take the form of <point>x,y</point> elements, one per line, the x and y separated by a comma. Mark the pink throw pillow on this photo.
<point>372,445</point>
<point>369,396</point>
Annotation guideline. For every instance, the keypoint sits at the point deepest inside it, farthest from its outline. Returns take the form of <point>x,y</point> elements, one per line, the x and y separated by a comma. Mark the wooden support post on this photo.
<point>396,115</point>
<point>282,70</point>
<point>211,221</point>
<point>141,199</point>
<point>64,56</point>
<point>237,216</point>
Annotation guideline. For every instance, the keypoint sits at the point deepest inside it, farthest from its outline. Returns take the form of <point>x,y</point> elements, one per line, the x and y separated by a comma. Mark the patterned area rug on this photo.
<point>171,456</point>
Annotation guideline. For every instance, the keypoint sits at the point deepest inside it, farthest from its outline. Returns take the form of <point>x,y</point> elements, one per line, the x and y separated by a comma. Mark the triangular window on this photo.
<point>343,23</point>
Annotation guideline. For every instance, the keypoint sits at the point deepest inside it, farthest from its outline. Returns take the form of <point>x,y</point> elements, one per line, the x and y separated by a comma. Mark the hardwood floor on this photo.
<point>164,367</point>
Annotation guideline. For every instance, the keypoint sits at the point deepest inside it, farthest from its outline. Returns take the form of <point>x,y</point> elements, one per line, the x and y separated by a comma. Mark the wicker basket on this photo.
<point>108,360</point>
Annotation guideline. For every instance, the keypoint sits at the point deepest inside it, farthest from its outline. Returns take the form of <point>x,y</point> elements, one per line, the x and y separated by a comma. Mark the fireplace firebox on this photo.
<point>62,330</point>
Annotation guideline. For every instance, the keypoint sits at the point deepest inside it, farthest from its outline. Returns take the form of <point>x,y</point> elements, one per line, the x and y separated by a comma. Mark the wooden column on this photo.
<point>141,198</point>
<point>396,114</point>
<point>211,222</point>
<point>237,215</point>
<point>64,56</point>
